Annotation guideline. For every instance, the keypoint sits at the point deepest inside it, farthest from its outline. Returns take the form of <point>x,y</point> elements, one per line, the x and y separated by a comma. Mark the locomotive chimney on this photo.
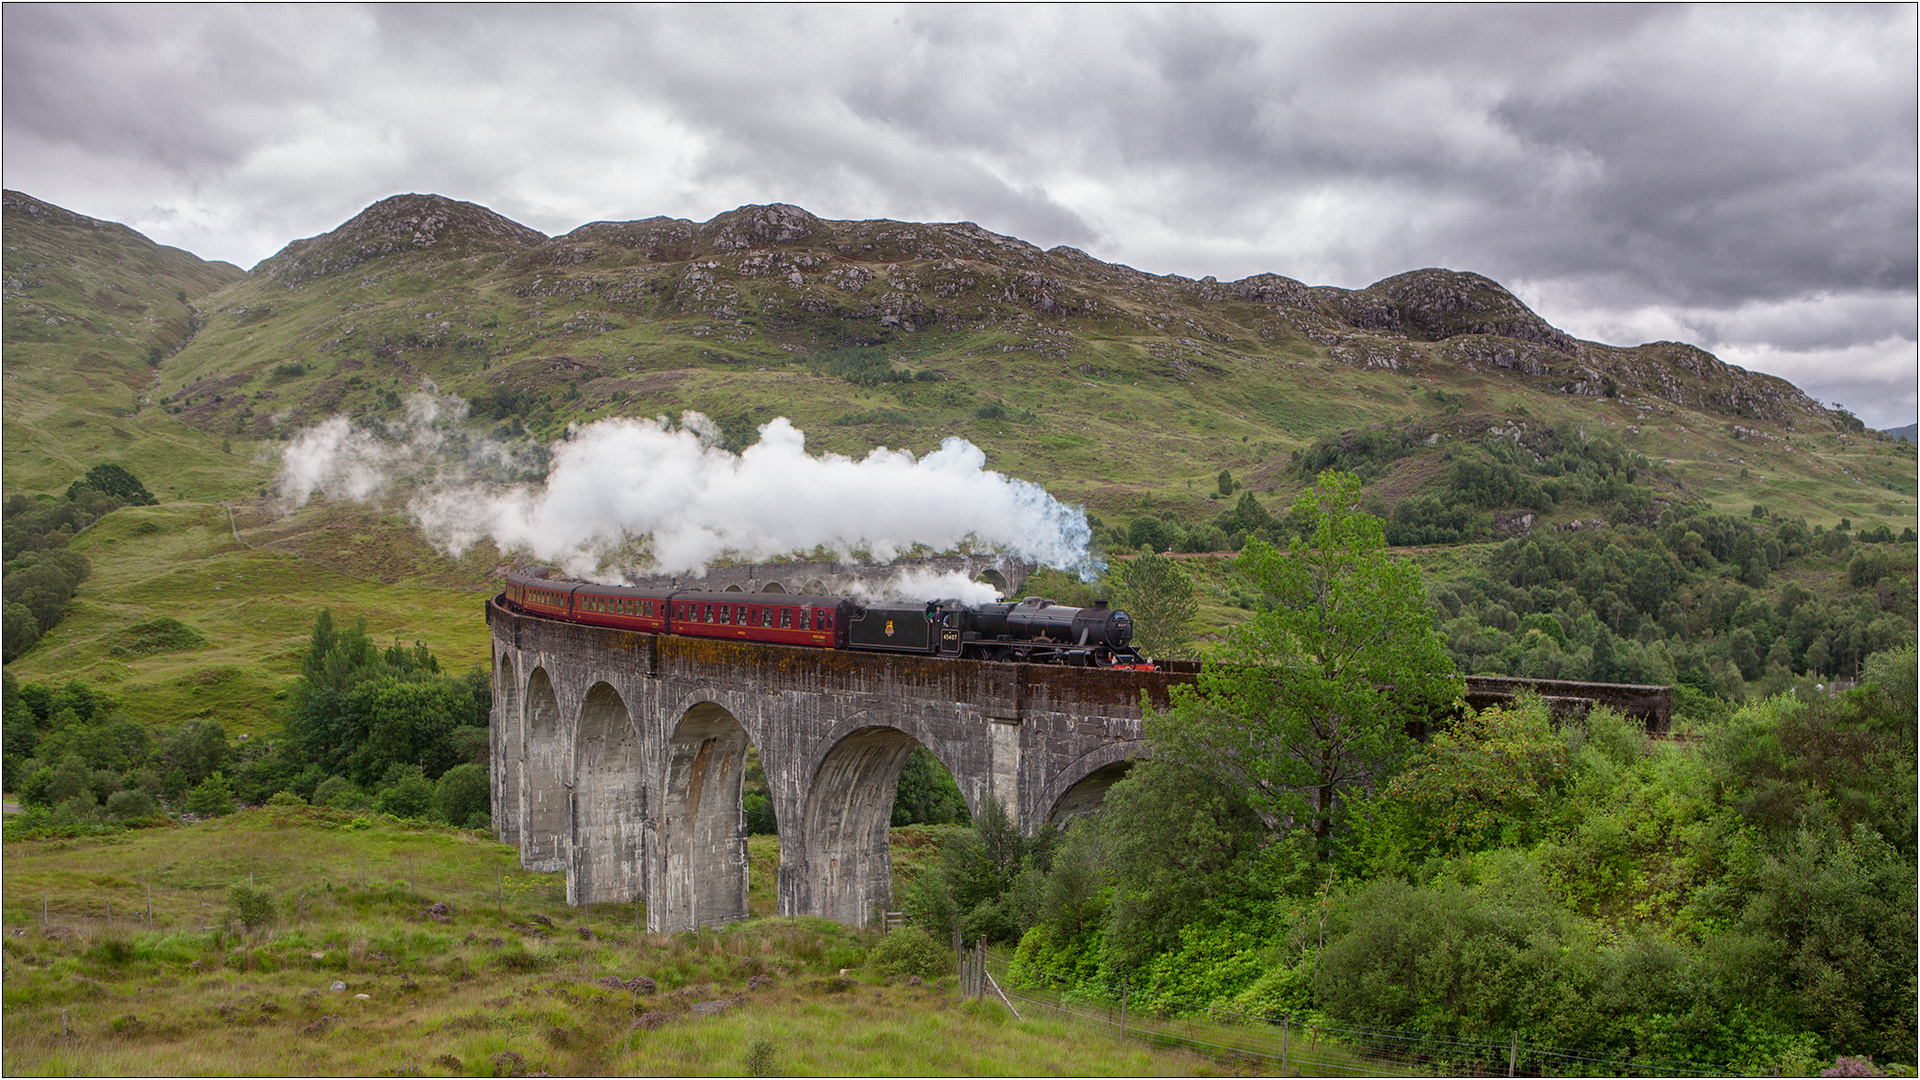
<point>1099,605</point>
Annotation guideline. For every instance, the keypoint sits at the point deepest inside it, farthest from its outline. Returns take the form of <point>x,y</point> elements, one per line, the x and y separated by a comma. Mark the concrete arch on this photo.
<point>609,802</point>
<point>994,578</point>
<point>509,749</point>
<point>847,869</point>
<point>813,588</point>
<point>1080,787</point>
<point>733,588</point>
<point>545,790</point>
<point>774,587</point>
<point>703,833</point>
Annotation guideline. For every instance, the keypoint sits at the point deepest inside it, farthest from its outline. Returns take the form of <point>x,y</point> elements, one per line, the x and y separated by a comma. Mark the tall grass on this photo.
<point>510,978</point>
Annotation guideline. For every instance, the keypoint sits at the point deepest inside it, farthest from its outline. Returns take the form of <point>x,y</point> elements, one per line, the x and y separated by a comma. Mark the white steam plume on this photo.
<point>921,584</point>
<point>619,486</point>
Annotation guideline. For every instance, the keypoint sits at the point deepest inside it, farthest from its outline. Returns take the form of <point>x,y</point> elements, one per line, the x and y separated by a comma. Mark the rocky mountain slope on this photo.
<point>1125,389</point>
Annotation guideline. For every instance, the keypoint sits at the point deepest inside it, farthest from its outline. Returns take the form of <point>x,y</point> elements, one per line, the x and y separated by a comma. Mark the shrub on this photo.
<point>286,798</point>
<point>213,797</point>
<point>131,805</point>
<point>325,791</point>
<point>461,793</point>
<point>911,951</point>
<point>411,796</point>
<point>158,635</point>
<point>253,907</point>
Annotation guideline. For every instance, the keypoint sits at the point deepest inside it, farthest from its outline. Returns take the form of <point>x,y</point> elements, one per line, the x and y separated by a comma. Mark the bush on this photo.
<point>213,797</point>
<point>461,793</point>
<point>131,805</point>
<point>911,951</point>
<point>253,907</point>
<point>286,798</point>
<point>325,791</point>
<point>411,796</point>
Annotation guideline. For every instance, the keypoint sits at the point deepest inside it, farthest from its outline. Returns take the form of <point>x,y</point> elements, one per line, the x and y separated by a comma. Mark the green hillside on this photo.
<point>1472,419</point>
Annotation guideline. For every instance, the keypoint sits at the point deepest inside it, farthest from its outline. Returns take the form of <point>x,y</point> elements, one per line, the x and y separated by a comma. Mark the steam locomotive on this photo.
<point>1032,630</point>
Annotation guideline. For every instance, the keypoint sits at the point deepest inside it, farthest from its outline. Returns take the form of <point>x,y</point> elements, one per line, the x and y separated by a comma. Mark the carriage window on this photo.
<point>709,617</point>
<point>647,609</point>
<point>766,616</point>
<point>786,618</point>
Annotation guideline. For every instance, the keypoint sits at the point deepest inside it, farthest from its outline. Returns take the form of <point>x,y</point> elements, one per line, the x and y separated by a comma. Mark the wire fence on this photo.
<point>1312,1046</point>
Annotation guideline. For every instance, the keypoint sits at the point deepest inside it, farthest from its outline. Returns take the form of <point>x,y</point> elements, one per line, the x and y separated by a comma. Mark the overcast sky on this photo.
<point>1741,178</point>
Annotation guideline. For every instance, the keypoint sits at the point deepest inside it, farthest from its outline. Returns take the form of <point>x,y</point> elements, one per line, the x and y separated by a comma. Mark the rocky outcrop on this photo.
<point>1435,305</point>
<point>403,223</point>
<point>758,226</point>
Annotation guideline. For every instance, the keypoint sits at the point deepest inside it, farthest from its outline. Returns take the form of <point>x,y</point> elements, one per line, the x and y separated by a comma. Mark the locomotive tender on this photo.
<point>1031,630</point>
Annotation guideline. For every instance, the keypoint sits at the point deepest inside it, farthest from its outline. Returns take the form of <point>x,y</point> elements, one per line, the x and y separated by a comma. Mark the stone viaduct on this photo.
<point>620,757</point>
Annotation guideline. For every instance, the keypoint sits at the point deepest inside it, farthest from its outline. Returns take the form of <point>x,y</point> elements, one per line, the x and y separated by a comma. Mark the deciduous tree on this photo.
<point>1314,695</point>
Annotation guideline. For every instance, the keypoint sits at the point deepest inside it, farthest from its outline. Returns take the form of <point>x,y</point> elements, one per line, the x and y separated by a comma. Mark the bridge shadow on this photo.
<point>1087,796</point>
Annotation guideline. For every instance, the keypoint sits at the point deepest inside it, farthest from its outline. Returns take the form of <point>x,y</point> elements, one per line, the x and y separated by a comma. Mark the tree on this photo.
<point>1159,595</point>
<point>1314,695</point>
<point>116,481</point>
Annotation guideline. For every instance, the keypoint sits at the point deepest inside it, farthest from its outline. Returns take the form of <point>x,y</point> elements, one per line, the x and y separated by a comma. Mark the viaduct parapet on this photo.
<point>620,757</point>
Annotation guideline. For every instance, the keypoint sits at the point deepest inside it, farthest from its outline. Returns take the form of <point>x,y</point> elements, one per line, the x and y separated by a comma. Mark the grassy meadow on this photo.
<point>507,980</point>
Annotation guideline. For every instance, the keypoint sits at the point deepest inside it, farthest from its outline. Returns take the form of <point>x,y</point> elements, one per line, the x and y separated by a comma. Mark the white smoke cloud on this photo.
<point>922,584</point>
<point>639,494</point>
<point>359,463</point>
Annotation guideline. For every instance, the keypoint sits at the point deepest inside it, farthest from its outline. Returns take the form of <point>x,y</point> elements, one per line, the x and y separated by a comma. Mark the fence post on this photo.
<point>1513,1052</point>
<point>1123,1006</point>
<point>149,907</point>
<point>363,873</point>
<point>1286,1030</point>
<point>44,894</point>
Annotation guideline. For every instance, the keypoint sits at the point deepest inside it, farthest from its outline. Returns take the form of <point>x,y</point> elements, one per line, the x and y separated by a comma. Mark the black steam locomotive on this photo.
<point>1032,630</point>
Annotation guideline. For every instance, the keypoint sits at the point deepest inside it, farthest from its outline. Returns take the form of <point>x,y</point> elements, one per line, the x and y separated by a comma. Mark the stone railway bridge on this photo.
<point>619,757</point>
